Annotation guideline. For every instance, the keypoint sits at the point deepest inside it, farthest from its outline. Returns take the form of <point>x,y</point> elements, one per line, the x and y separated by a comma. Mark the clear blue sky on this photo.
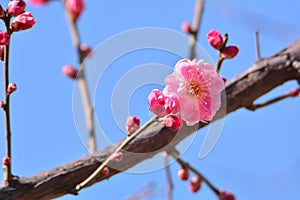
<point>257,156</point>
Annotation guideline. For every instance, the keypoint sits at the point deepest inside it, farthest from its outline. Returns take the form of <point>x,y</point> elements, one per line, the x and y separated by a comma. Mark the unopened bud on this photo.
<point>215,39</point>
<point>69,71</point>
<point>187,28</point>
<point>224,195</point>
<point>6,161</point>
<point>294,92</point>
<point>4,38</point>
<point>105,171</point>
<point>118,157</point>
<point>132,124</point>
<point>12,87</point>
<point>183,174</point>
<point>195,184</point>
<point>16,7</point>
<point>86,50</point>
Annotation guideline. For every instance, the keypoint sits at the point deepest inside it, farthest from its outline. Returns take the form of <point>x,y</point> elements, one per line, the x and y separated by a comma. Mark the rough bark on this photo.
<point>261,77</point>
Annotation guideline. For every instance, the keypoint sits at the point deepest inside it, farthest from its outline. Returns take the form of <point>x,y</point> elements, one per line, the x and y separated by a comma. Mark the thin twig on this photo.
<point>267,103</point>
<point>124,144</point>
<point>7,168</point>
<point>188,166</point>
<point>168,175</point>
<point>257,45</point>
<point>82,84</point>
<point>198,12</point>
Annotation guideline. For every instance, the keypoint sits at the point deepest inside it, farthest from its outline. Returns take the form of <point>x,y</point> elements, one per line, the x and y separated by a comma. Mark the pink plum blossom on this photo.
<point>198,87</point>
<point>75,8</point>
<point>215,39</point>
<point>4,38</point>
<point>16,7</point>
<point>22,22</point>
<point>38,2</point>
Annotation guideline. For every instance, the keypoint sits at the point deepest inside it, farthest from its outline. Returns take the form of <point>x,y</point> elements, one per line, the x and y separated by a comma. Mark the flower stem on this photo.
<point>82,84</point>
<point>7,168</point>
<point>187,166</point>
<point>220,57</point>
<point>124,144</point>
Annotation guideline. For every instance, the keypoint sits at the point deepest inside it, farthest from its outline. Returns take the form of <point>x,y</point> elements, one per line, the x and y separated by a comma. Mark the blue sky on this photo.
<point>257,155</point>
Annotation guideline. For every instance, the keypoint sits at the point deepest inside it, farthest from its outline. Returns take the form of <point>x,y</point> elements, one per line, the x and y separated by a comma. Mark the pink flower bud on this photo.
<point>2,52</point>
<point>223,195</point>
<point>132,124</point>
<point>173,122</point>
<point>118,157</point>
<point>215,39</point>
<point>69,71</point>
<point>195,184</point>
<point>294,92</point>
<point>86,50</point>
<point>12,87</point>
<point>187,28</point>
<point>105,171</point>
<point>224,79</point>
<point>22,22</point>
<point>16,7</point>
<point>4,38</point>
<point>156,101</point>
<point>183,174</point>
<point>229,52</point>
<point>6,161</point>
<point>2,12</point>
<point>75,7</point>
<point>38,2</point>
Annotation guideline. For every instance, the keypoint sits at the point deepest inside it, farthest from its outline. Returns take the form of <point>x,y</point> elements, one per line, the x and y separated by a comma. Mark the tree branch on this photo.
<point>260,78</point>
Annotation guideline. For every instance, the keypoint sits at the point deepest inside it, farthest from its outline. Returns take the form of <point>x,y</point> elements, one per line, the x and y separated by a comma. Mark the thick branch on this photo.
<point>261,77</point>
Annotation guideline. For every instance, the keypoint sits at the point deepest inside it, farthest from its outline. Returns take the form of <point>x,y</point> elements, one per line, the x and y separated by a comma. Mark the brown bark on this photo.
<point>261,77</point>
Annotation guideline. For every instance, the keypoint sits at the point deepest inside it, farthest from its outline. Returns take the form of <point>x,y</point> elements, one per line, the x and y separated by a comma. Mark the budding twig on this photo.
<point>82,84</point>
<point>220,57</point>
<point>7,169</point>
<point>195,171</point>
<point>122,146</point>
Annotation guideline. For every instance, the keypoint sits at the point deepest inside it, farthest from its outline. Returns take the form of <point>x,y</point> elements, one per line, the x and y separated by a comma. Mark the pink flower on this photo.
<point>4,38</point>
<point>38,2</point>
<point>69,71</point>
<point>22,22</point>
<point>2,12</point>
<point>75,7</point>
<point>132,124</point>
<point>294,92</point>
<point>198,87</point>
<point>183,174</point>
<point>229,52</point>
<point>195,184</point>
<point>215,39</point>
<point>2,52</point>
<point>173,122</point>
<point>16,7</point>
<point>223,195</point>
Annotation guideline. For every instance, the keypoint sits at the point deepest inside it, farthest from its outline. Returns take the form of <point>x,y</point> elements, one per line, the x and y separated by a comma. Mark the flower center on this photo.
<point>194,89</point>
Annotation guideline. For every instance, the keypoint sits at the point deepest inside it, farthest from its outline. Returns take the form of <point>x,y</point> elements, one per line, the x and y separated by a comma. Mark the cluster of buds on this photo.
<point>218,42</point>
<point>195,184</point>
<point>22,20</point>
<point>166,106</point>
